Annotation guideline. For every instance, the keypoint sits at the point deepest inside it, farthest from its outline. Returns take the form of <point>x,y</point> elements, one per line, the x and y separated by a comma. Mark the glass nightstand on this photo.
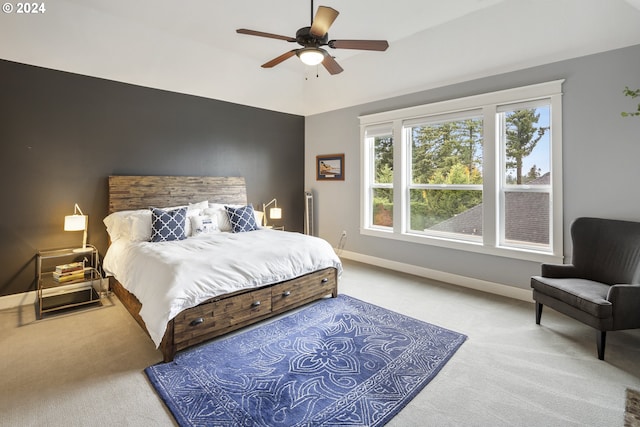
<point>67,278</point>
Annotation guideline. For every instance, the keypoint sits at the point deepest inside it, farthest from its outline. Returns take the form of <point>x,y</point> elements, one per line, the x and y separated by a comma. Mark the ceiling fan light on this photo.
<point>311,55</point>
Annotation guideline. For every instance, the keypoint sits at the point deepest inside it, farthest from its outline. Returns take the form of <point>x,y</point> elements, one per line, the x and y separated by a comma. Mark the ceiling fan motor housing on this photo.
<point>306,39</point>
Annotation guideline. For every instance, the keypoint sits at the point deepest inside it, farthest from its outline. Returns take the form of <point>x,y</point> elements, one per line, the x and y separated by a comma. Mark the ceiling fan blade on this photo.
<point>379,45</point>
<point>262,34</point>
<point>323,20</point>
<point>279,59</point>
<point>330,64</point>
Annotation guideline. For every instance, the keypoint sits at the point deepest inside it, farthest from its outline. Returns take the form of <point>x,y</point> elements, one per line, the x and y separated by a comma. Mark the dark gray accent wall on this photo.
<point>62,135</point>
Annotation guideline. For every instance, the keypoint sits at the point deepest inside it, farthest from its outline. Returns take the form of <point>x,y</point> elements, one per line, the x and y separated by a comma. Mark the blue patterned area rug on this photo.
<point>339,361</point>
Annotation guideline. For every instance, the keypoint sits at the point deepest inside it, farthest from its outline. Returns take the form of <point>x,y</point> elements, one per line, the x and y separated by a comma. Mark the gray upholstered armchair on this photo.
<point>600,287</point>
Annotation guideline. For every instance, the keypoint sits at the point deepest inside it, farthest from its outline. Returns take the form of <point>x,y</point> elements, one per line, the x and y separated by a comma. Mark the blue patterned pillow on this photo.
<point>242,219</point>
<point>168,225</point>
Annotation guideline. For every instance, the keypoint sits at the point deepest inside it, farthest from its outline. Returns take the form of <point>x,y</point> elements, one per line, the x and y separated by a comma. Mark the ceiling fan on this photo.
<point>312,38</point>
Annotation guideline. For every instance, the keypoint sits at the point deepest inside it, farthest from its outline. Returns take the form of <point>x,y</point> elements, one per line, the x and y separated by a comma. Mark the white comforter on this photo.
<point>168,277</point>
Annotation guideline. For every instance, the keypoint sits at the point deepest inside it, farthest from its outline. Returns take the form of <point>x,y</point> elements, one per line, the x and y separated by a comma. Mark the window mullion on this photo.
<point>490,177</point>
<point>445,187</point>
<point>399,177</point>
<point>366,197</point>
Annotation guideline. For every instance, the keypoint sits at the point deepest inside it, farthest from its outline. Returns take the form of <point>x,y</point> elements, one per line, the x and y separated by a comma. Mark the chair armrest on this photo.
<point>625,300</point>
<point>624,294</point>
<point>559,271</point>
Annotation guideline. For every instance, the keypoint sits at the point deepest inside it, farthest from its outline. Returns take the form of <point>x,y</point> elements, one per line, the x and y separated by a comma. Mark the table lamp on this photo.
<point>77,222</point>
<point>274,213</point>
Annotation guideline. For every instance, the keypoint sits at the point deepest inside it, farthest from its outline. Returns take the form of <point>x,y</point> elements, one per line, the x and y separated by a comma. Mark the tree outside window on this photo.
<point>383,181</point>
<point>446,174</point>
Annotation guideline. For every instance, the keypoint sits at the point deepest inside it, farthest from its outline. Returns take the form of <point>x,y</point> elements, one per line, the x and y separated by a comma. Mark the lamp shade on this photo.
<point>311,55</point>
<point>275,213</point>
<point>75,222</point>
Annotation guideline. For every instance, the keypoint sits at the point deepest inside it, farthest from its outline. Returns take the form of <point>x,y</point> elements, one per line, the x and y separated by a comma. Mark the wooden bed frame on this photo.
<point>221,314</point>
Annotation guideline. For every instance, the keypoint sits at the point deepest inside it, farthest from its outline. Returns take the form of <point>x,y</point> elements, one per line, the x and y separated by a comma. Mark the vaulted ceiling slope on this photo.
<point>191,46</point>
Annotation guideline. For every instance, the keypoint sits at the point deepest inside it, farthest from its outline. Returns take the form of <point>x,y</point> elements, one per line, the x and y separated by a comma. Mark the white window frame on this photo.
<point>407,126</point>
<point>488,104</point>
<point>369,134</point>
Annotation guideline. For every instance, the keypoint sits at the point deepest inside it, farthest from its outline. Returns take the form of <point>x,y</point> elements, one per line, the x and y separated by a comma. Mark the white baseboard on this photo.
<point>16,300</point>
<point>441,276</point>
<point>28,298</point>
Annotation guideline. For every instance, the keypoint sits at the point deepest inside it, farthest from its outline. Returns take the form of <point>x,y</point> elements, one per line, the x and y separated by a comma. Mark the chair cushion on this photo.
<point>583,294</point>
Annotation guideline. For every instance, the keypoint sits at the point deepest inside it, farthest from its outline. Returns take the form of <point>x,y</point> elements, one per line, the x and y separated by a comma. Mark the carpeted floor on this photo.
<point>339,361</point>
<point>87,367</point>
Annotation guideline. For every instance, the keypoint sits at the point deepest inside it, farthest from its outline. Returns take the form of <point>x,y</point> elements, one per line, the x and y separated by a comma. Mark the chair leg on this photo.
<point>538,312</point>
<point>601,338</point>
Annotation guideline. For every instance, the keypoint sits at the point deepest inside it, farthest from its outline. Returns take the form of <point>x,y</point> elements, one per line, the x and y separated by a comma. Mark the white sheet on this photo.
<point>168,277</point>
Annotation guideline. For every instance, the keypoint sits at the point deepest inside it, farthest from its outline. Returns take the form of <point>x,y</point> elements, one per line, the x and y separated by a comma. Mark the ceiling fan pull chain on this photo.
<point>306,74</point>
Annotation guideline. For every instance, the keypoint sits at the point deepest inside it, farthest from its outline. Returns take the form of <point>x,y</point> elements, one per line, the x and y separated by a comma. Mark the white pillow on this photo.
<point>218,211</point>
<point>119,223</point>
<point>200,205</point>
<point>140,228</point>
<point>258,215</point>
<point>203,224</point>
<point>113,222</point>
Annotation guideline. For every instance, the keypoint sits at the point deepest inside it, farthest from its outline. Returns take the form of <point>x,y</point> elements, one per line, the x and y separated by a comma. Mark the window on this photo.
<point>445,167</point>
<point>525,183</point>
<point>480,173</point>
<point>380,146</point>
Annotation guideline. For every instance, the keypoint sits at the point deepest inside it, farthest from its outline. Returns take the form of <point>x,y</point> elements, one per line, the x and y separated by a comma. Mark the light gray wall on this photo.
<point>601,156</point>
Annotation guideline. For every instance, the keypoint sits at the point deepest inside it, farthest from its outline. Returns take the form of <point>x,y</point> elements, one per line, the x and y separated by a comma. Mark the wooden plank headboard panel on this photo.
<point>141,192</point>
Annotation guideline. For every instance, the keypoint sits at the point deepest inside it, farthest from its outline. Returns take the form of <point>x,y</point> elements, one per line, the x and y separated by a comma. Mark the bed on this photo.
<point>188,291</point>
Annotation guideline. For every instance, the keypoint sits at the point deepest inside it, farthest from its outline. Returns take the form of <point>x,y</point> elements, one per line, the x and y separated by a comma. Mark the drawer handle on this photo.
<point>325,280</point>
<point>255,304</point>
<point>196,322</point>
<point>286,293</point>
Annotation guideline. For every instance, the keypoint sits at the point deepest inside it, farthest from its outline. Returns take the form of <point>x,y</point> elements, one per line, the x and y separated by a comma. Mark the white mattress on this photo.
<point>168,277</point>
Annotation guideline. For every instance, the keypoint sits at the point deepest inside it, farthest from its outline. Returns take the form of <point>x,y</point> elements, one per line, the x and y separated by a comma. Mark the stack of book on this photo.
<point>70,272</point>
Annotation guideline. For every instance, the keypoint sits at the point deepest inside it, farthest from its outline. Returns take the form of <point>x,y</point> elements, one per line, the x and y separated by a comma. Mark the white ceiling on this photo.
<point>191,46</point>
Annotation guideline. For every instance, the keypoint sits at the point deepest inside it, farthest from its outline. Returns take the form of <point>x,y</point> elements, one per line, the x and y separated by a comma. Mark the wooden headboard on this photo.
<point>141,192</point>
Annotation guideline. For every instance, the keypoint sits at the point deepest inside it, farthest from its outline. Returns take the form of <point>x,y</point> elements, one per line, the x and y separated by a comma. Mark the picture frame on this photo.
<point>330,167</point>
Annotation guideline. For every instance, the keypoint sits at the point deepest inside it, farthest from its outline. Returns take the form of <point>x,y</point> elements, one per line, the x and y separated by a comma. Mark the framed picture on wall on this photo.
<point>330,167</point>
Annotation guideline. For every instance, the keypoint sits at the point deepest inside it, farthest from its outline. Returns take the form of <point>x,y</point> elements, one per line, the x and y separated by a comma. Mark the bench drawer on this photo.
<point>309,287</point>
<point>221,314</point>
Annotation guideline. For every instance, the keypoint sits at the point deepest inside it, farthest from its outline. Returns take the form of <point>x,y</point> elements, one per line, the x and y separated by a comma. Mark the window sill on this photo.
<point>467,246</point>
